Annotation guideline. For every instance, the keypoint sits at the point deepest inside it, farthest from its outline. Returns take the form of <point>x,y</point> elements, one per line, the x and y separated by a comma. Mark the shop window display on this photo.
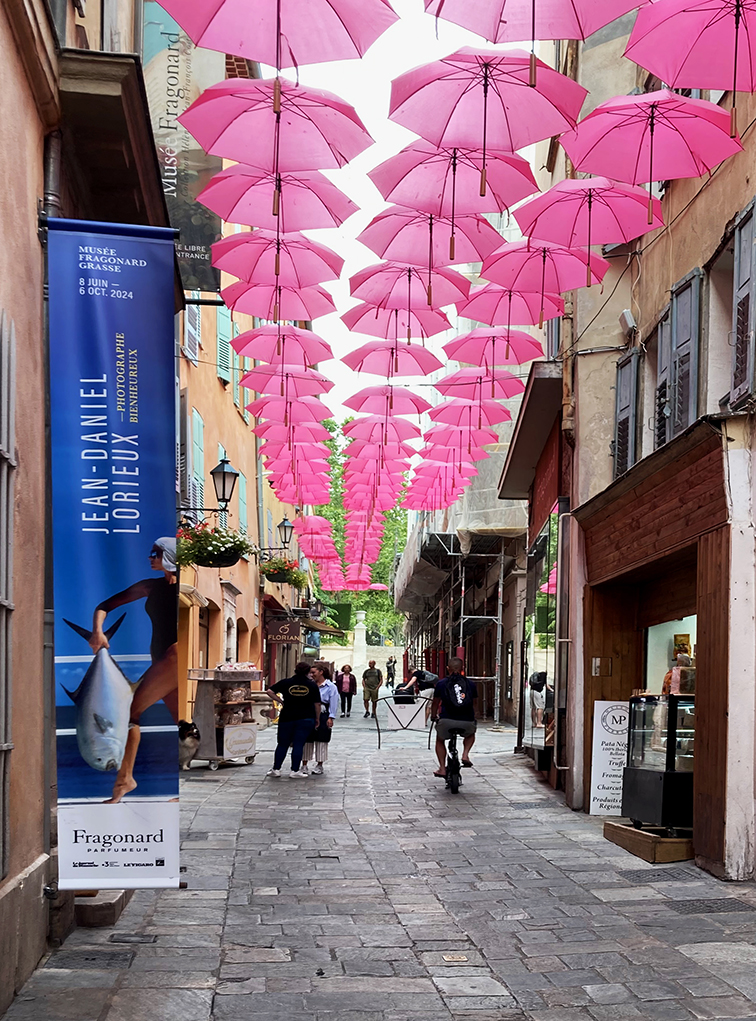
<point>540,644</point>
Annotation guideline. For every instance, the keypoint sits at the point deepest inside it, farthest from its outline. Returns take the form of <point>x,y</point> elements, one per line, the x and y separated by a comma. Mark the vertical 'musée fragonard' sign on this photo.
<point>112,386</point>
<point>176,72</point>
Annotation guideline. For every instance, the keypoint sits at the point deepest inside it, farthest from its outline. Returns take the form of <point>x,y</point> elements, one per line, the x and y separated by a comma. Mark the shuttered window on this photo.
<point>663,405</point>
<point>235,377</point>
<point>192,328</point>
<point>198,463</point>
<point>742,382</point>
<point>223,344</point>
<point>184,450</point>
<point>7,473</point>
<point>222,515</point>
<point>626,413</point>
<point>686,329</point>
<point>242,490</point>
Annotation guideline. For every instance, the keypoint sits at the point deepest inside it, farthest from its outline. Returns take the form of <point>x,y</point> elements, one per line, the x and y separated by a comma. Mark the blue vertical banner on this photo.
<point>112,388</point>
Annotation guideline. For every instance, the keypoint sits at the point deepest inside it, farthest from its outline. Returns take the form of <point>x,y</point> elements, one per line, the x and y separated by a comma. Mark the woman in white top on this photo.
<point>316,746</point>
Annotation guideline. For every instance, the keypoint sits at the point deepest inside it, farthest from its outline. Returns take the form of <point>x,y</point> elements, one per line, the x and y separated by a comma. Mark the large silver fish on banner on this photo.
<point>103,706</point>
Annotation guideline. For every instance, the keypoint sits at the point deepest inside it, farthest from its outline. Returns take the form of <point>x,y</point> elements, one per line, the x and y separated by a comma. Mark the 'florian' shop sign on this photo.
<point>283,632</point>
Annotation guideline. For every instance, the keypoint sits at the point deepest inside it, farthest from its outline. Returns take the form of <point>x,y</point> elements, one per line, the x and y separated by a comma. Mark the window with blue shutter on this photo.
<point>198,462</point>
<point>242,490</point>
<point>686,330</point>
<point>223,343</point>
<point>626,412</point>
<point>742,382</point>
<point>663,404</point>
<point>192,327</point>
<point>222,515</point>
<point>235,377</point>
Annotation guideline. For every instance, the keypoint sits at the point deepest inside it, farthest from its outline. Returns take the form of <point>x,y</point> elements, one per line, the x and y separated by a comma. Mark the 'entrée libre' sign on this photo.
<point>283,631</point>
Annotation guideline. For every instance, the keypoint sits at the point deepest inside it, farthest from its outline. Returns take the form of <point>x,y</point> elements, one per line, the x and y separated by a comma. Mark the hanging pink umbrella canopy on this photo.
<point>502,306</point>
<point>460,411</point>
<point>698,44</point>
<point>280,433</point>
<point>383,400</point>
<point>281,344</point>
<point>285,382</point>
<point>364,448</point>
<point>273,301</point>
<point>423,239</point>
<point>393,284</point>
<point>378,587</point>
<point>362,428</point>
<point>390,323</point>
<point>392,358</point>
<point>455,433</point>
<point>281,409</point>
<point>289,202</point>
<point>460,455</point>
<point>494,345</point>
<point>473,383</point>
<point>267,257</point>
<point>481,99</point>
<point>314,130</point>
<point>284,33</point>
<point>589,212</point>
<point>312,524</point>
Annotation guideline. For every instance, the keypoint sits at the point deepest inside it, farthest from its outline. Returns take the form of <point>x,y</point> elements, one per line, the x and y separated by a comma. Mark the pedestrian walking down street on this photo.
<point>390,672</point>
<point>300,698</point>
<point>346,683</point>
<point>372,679</point>
<point>320,737</point>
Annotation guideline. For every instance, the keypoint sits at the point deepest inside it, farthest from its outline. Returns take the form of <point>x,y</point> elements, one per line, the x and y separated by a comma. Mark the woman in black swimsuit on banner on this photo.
<point>160,680</point>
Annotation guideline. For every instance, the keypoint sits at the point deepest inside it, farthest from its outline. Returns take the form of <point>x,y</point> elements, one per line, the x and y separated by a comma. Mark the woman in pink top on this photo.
<point>346,683</point>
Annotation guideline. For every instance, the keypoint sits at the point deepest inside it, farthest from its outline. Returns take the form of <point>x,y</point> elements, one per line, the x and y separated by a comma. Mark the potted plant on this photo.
<point>285,571</point>
<point>208,546</point>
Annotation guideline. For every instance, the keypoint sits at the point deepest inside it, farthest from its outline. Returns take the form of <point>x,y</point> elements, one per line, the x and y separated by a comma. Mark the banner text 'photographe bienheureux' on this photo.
<point>112,382</point>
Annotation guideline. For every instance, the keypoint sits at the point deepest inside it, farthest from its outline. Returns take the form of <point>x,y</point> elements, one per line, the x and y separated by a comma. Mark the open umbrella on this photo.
<point>589,212</point>
<point>368,426</point>
<point>481,99</point>
<point>494,345</point>
<point>659,136</point>
<point>392,284</point>
<point>384,400</point>
<point>291,383</point>
<point>284,33</point>
<point>312,129</point>
<point>502,306</point>
<point>460,411</point>
<point>473,383</point>
<point>459,454</point>
<point>455,433</point>
<point>543,267</point>
<point>390,358</point>
<point>278,432</point>
<point>388,323</point>
<point>281,344</point>
<point>267,257</point>
<point>303,200</point>
<point>281,409</point>
<point>699,44</point>
<point>272,301</point>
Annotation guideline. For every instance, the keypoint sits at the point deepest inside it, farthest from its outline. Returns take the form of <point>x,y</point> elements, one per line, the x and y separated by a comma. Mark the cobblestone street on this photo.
<point>372,894</point>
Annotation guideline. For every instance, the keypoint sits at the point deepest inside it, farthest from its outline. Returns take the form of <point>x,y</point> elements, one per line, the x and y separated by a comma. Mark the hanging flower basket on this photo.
<point>286,572</point>
<point>210,547</point>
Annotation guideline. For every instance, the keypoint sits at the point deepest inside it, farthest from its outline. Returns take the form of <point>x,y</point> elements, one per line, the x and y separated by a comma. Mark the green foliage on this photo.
<point>200,542</point>
<point>380,616</point>
<point>288,568</point>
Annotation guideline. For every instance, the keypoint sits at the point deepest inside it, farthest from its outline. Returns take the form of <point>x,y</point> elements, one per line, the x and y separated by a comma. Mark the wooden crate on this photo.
<point>650,844</point>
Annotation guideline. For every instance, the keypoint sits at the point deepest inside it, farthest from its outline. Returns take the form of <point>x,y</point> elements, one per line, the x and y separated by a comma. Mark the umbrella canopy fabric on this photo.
<point>459,454</point>
<point>288,345</point>
<point>502,21</point>
<point>391,358</point>
<point>272,301</point>
<point>589,212</point>
<point>480,98</point>
<point>363,428</point>
<point>393,284</point>
<point>315,130</point>
<point>383,400</point>
<point>494,346</point>
<point>305,199</point>
<point>422,239</point>
<point>659,136</point>
<point>267,257</point>
<point>543,267</point>
<point>314,524</point>
<point>455,434</point>
<point>474,383</point>
<point>446,182</point>
<point>460,411</point>
<point>281,409</point>
<point>390,323</point>
<point>284,33</point>
<point>364,448</point>
<point>292,383</point>
<point>701,44</point>
<point>502,306</point>
<point>278,432</point>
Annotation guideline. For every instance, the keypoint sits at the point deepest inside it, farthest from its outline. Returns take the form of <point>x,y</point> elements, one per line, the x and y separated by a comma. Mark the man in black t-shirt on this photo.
<point>455,696</point>
<point>300,699</point>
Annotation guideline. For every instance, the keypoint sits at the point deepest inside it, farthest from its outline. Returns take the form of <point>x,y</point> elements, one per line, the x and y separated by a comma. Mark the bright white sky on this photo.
<point>366,84</point>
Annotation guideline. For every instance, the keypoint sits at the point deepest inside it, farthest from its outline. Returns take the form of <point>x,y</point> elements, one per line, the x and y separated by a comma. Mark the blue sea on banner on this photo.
<point>113,434</point>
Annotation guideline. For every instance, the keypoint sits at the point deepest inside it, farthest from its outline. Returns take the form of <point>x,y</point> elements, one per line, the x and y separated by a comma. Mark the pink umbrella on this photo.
<point>363,428</point>
<point>481,99</point>
<point>699,44</point>
<point>420,239</point>
<point>286,33</point>
<point>390,358</point>
<point>305,450</point>
<point>303,200</point>
<point>392,465</point>
<point>378,587</point>
<point>271,301</point>
<point>280,409</point>
<point>290,383</point>
<point>384,400</point>
<point>455,433</point>
<point>550,586</point>
<point>501,306</point>
<point>458,411</point>
<point>364,448</point>
<point>312,129</point>
<point>470,383</point>
<point>391,284</point>
<point>659,136</point>
<point>388,323</point>
<point>457,454</point>
<point>276,431</point>
<point>494,345</point>
<point>593,211</point>
<point>288,345</point>
<point>267,257</point>
<point>543,267</point>
<point>312,524</point>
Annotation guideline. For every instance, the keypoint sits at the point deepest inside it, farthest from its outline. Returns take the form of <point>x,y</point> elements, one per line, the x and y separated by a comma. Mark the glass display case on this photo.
<point>657,786</point>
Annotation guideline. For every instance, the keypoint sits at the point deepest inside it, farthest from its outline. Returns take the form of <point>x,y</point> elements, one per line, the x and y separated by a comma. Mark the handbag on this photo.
<point>321,733</point>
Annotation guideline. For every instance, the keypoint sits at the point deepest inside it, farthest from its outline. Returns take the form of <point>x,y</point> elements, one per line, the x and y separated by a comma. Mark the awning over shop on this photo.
<point>540,406</point>
<point>316,625</point>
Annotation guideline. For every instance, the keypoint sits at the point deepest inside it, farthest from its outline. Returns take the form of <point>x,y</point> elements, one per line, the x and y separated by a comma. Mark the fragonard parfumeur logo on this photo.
<point>115,839</point>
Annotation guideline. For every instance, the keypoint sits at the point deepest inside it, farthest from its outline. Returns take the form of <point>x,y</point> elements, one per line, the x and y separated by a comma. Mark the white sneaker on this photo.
<point>273,772</point>
<point>298,775</point>
<point>317,770</point>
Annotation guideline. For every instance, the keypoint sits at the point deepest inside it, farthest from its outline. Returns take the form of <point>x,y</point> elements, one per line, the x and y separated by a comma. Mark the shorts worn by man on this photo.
<point>372,679</point>
<point>455,697</point>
